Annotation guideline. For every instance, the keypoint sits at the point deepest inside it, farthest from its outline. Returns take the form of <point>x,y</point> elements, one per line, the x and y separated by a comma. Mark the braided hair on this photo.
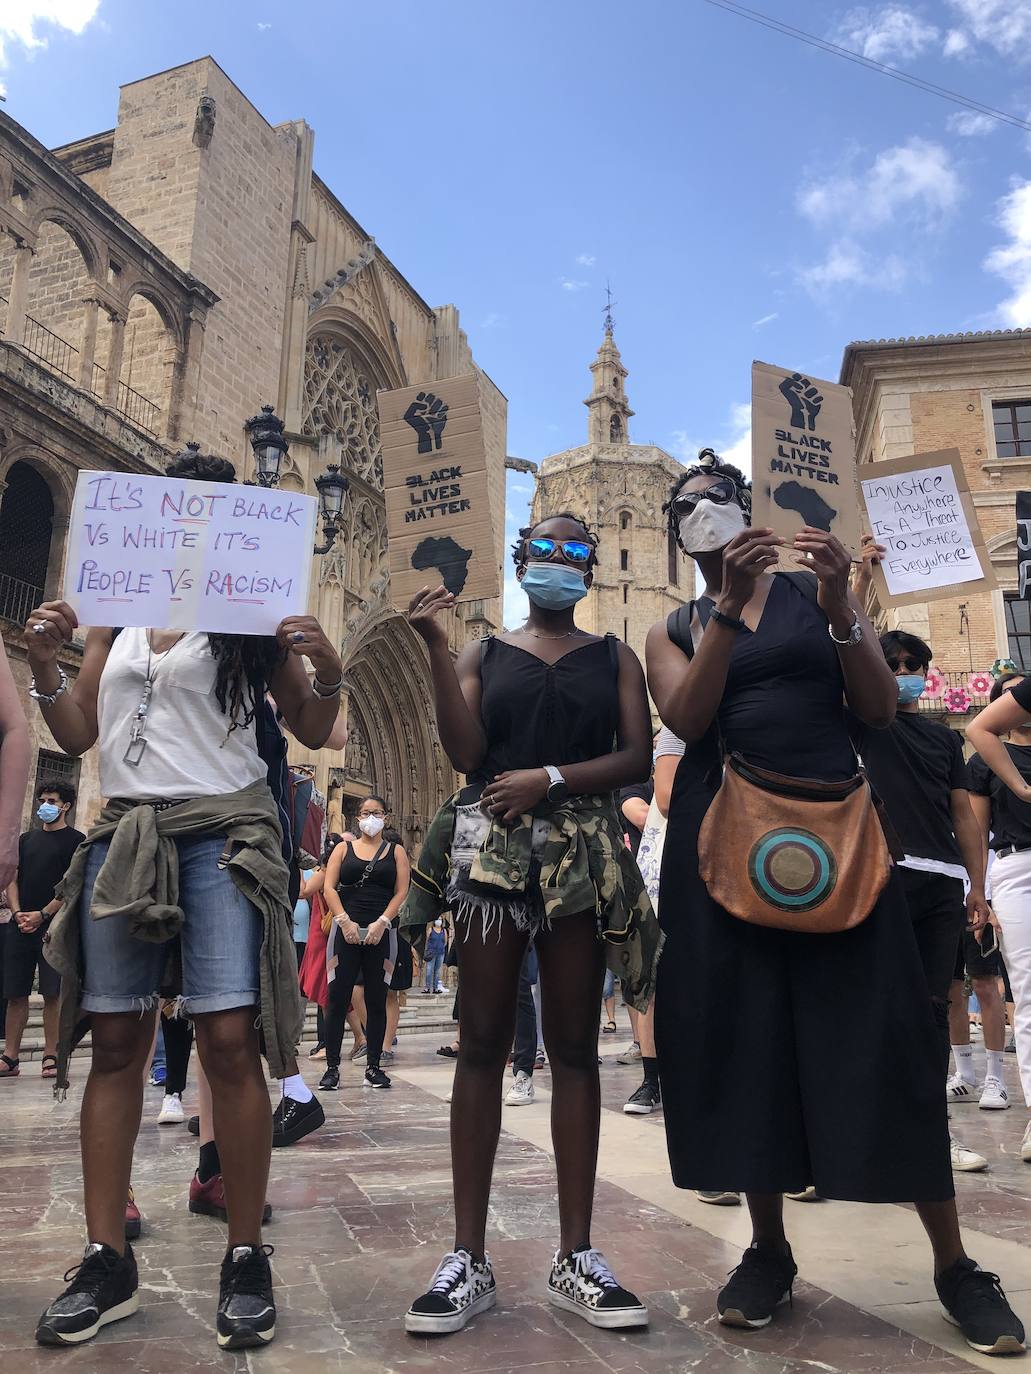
<point>243,663</point>
<point>709,464</point>
<point>519,547</point>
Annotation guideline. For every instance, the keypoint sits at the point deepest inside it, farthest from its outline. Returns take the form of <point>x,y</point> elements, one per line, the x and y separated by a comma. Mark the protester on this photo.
<point>524,1048</point>
<point>43,857</point>
<point>1003,805</point>
<point>433,956</point>
<point>532,849</point>
<point>14,775</point>
<point>174,715</point>
<point>760,667</point>
<point>366,882</point>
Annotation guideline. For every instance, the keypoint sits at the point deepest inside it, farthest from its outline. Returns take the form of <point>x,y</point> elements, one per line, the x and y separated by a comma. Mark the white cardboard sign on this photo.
<point>171,553</point>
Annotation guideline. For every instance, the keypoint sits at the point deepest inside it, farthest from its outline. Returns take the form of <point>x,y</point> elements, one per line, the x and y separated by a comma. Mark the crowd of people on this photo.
<point>810,844</point>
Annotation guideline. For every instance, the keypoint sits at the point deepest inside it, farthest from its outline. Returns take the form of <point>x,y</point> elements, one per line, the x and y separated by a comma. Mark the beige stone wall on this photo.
<point>223,212</point>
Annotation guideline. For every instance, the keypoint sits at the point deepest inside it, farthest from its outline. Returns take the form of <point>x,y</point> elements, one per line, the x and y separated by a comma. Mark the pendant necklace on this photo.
<point>568,635</point>
<point>137,731</point>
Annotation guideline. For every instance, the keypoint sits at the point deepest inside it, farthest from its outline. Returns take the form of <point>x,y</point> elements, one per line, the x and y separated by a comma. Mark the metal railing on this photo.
<point>956,694</point>
<point>60,356</point>
<point>18,598</point>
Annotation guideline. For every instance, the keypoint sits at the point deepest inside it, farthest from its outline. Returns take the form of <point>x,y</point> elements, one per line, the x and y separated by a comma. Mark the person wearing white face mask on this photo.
<point>366,883</point>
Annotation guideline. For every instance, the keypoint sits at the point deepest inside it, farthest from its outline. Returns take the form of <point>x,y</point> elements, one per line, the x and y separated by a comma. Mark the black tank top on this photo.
<point>369,901</point>
<point>535,713</point>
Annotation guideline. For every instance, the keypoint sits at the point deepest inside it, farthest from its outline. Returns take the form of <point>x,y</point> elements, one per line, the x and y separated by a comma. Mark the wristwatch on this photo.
<point>558,788</point>
<point>854,635</point>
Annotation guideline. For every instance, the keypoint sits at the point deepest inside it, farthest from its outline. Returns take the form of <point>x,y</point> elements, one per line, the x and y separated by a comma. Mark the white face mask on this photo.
<point>710,527</point>
<point>371,825</point>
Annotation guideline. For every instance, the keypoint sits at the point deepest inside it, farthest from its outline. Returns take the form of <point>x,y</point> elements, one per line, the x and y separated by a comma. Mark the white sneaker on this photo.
<point>521,1091</point>
<point>631,1055</point>
<point>965,1161</point>
<point>806,1195</point>
<point>171,1113</point>
<point>957,1089</point>
<point>461,1287</point>
<point>582,1282</point>
<point>994,1097</point>
<point>1025,1148</point>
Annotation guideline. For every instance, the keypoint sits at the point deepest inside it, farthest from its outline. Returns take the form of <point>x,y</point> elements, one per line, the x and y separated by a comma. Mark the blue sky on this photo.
<point>747,196</point>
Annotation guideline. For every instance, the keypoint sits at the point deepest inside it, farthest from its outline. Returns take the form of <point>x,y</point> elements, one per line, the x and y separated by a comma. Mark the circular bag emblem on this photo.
<point>792,869</point>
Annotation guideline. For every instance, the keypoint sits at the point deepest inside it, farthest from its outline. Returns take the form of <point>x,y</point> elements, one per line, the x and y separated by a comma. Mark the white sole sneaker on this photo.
<point>171,1115</point>
<point>610,1319</point>
<point>113,1314</point>
<point>994,1097</point>
<point>735,1317</point>
<point>959,1090</point>
<point>1005,1345</point>
<point>966,1161</point>
<point>440,1324</point>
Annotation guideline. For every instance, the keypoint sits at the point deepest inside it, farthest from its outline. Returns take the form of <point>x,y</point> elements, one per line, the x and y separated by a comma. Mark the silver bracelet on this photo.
<point>49,698</point>
<point>854,635</point>
<point>330,691</point>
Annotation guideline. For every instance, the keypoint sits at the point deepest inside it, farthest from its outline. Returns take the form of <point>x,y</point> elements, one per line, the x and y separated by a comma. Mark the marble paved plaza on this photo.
<point>363,1213</point>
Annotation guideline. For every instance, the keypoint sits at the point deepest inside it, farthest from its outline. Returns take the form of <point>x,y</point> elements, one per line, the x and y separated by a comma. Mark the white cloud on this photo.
<point>493,321</point>
<point>892,31</point>
<point>1004,25</point>
<point>956,43</point>
<point>915,179</point>
<point>571,284</point>
<point>849,264</point>
<point>970,124</point>
<point>1012,260</point>
<point>586,260</point>
<point>20,21</point>
<point>263,28</point>
<point>765,319</point>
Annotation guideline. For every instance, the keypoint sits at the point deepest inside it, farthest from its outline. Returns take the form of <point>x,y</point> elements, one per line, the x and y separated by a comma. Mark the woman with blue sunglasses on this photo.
<point>547,722</point>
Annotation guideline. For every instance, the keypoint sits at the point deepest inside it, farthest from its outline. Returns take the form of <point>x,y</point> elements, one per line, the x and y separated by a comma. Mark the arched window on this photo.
<point>625,519</point>
<point>615,430</point>
<point>26,526</point>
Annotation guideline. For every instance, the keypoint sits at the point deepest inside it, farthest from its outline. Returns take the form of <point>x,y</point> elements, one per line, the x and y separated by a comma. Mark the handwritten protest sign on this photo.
<point>1024,544</point>
<point>177,554</point>
<point>439,527</point>
<point>803,457</point>
<point>921,510</point>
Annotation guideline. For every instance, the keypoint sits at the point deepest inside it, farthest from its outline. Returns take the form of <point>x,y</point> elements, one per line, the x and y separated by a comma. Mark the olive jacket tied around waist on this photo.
<point>140,879</point>
<point>585,866</point>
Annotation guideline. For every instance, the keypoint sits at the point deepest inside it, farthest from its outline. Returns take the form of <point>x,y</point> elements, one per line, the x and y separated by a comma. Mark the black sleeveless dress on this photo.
<point>788,1059</point>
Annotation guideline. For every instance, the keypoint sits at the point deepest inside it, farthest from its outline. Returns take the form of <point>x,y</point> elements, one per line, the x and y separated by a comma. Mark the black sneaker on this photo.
<point>376,1078</point>
<point>974,1301</point>
<point>644,1100</point>
<point>292,1121</point>
<point>757,1287</point>
<point>246,1308</point>
<point>330,1080</point>
<point>102,1289</point>
<point>193,1125</point>
<point>461,1287</point>
<point>582,1282</point>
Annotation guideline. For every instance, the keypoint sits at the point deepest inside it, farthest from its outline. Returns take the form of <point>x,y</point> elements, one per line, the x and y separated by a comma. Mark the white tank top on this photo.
<point>188,753</point>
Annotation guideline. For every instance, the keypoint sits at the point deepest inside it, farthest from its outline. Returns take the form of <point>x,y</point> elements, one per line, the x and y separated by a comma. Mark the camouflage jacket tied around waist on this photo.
<point>584,866</point>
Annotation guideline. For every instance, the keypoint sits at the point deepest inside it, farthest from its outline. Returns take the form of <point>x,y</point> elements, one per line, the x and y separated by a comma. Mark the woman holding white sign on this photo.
<point>185,859</point>
<point>777,880</point>
<point>546,721</point>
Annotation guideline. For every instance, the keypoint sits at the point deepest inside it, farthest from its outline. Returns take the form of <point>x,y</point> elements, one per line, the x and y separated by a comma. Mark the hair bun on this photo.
<point>201,467</point>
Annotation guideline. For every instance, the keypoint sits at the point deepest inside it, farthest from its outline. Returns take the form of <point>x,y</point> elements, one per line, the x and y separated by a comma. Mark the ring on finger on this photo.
<point>40,627</point>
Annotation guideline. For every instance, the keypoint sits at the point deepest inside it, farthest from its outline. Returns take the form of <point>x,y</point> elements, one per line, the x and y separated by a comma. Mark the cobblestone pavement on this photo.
<point>362,1214</point>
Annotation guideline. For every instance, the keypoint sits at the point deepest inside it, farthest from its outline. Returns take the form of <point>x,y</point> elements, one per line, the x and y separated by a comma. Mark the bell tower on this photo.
<point>608,409</point>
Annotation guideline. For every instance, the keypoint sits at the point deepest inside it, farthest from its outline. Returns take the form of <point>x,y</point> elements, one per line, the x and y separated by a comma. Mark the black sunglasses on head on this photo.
<point>720,493</point>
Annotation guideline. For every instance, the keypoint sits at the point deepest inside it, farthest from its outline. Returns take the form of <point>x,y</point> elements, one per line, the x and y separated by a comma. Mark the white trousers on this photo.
<point>1011,899</point>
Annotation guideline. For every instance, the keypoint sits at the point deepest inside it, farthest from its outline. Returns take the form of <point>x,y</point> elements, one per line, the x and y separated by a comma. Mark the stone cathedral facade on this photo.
<point>159,282</point>
<point>620,488</point>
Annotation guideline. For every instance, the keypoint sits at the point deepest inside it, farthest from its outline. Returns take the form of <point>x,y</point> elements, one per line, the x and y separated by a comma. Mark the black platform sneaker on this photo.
<point>757,1287</point>
<point>582,1282</point>
<point>246,1309</point>
<point>292,1120</point>
<point>974,1301</point>
<point>461,1287</point>
<point>103,1289</point>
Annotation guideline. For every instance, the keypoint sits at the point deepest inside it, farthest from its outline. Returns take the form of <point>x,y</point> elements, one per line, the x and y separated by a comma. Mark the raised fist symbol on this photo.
<point>427,415</point>
<point>803,398</point>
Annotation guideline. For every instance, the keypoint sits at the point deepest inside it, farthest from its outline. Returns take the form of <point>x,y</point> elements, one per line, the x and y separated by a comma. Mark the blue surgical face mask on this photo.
<point>552,586</point>
<point>911,686</point>
<point>48,812</point>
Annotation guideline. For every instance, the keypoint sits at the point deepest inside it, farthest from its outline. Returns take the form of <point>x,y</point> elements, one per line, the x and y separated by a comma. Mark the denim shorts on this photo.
<point>221,940</point>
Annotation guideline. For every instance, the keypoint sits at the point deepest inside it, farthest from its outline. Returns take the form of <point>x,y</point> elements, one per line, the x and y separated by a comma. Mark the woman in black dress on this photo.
<point>366,883</point>
<point>785,1085</point>
<point>547,722</point>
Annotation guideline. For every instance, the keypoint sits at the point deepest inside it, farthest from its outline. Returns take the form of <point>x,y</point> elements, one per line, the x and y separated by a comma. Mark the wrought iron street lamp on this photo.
<point>332,487</point>
<point>265,432</point>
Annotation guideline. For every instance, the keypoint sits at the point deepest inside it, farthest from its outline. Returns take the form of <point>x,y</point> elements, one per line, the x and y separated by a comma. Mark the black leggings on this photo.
<point>369,960</point>
<point>178,1033</point>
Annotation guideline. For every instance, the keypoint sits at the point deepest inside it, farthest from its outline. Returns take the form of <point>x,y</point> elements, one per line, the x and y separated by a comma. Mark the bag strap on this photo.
<point>613,644</point>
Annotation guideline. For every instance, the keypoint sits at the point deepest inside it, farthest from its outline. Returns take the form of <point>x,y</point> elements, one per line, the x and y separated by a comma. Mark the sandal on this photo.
<point>48,1066</point>
<point>609,1028</point>
<point>448,1052</point>
<point>10,1067</point>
